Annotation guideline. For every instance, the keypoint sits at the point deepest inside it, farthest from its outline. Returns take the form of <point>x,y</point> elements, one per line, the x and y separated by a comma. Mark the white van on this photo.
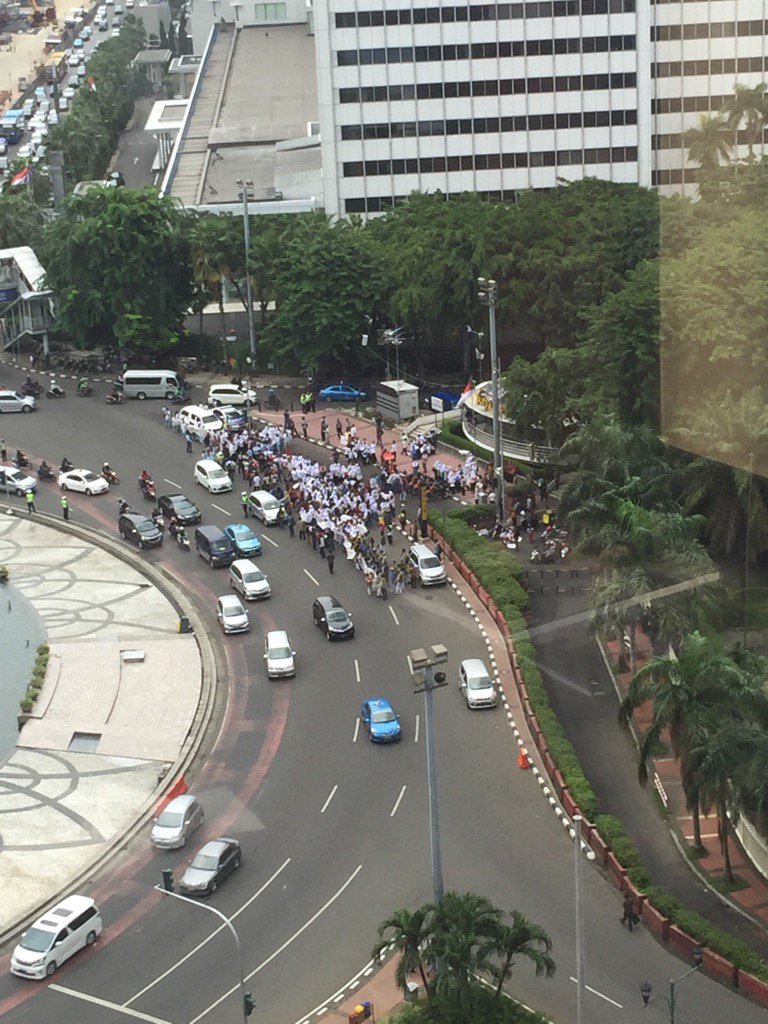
<point>264,506</point>
<point>56,936</point>
<point>279,655</point>
<point>197,420</point>
<point>143,384</point>
<point>427,564</point>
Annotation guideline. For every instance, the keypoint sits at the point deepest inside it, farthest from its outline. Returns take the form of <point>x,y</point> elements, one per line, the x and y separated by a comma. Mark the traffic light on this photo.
<point>168,879</point>
<point>248,1004</point>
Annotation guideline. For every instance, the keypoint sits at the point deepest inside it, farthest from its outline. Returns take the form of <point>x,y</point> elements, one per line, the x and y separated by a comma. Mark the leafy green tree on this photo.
<point>544,398</point>
<point>118,262</point>
<point>328,284</point>
<point>520,938</point>
<point>688,692</point>
<point>708,144</point>
<point>21,221</point>
<point>747,111</point>
<point>464,926</point>
<point>214,242</point>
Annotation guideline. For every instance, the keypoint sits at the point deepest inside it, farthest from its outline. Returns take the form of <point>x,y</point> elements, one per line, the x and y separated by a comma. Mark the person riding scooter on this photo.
<point>84,388</point>
<point>109,474</point>
<point>45,472</point>
<point>65,466</point>
<point>21,459</point>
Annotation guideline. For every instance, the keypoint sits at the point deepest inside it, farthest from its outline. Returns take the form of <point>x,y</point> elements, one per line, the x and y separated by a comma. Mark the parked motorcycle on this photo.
<point>109,474</point>
<point>55,390</point>
<point>45,472</point>
<point>147,488</point>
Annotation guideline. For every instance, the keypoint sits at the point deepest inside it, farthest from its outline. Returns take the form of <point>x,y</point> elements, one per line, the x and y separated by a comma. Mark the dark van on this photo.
<point>214,545</point>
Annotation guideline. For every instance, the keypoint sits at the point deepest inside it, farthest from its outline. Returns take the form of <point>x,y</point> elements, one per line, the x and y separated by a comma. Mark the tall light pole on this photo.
<point>167,890</point>
<point>425,681</point>
<point>579,904</point>
<point>646,988</point>
<point>488,293</point>
<point>245,194</point>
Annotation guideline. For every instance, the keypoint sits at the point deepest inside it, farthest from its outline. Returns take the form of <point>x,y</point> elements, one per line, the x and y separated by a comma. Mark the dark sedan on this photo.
<point>333,618</point>
<point>179,505</point>
<point>211,865</point>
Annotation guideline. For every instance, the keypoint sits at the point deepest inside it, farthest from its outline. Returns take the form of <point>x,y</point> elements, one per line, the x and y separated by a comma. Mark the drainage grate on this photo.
<point>85,742</point>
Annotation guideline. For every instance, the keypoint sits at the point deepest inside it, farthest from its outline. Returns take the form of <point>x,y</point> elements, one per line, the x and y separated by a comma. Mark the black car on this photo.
<point>333,618</point>
<point>139,530</point>
<point>178,505</point>
<point>213,862</point>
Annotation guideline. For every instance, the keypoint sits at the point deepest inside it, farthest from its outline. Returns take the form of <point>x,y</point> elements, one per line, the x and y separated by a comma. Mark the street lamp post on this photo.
<point>426,680</point>
<point>646,987</point>
<point>167,890</point>
<point>245,193</point>
<point>488,293</point>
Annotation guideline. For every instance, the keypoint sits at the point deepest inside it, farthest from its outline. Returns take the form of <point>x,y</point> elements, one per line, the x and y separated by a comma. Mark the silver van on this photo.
<point>174,825</point>
<point>476,684</point>
<point>265,506</point>
<point>56,936</point>
<point>143,384</point>
<point>427,564</point>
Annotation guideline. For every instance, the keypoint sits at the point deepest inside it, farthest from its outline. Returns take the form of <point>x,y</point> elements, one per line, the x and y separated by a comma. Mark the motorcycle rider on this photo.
<point>21,459</point>
<point>66,465</point>
<point>122,506</point>
<point>108,473</point>
<point>46,471</point>
<point>84,386</point>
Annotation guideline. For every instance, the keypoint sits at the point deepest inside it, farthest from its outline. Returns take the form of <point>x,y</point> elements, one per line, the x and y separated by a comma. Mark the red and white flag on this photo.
<point>468,389</point>
<point>22,178</point>
<point>91,83</point>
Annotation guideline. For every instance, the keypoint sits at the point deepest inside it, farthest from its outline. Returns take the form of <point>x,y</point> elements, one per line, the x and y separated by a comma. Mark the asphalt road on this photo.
<point>333,828</point>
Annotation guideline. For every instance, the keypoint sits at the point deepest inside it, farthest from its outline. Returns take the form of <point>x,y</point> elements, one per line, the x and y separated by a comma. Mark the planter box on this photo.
<point>483,595</point>
<point>569,804</point>
<point>549,764</point>
<point>754,988</point>
<point>616,872</point>
<point>682,942</point>
<point>599,846</point>
<point>718,967</point>
<point>558,782</point>
<point>656,923</point>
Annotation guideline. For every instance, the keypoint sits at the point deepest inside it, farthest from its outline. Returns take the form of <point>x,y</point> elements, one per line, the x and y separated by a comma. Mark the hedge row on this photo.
<point>490,568</point>
<point>38,678</point>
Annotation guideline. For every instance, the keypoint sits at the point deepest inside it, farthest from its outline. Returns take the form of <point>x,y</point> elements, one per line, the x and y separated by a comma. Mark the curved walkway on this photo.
<point>119,711</point>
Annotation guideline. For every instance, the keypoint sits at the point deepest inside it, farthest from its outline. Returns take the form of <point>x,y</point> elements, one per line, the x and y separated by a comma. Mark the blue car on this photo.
<point>341,393</point>
<point>380,720</point>
<point>244,540</point>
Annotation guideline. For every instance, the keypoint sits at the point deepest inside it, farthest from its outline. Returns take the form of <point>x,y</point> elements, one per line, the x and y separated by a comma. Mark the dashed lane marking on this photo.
<point>394,615</point>
<point>330,797</point>
<point>608,999</point>
<point>171,482</point>
<point>220,509</point>
<point>357,671</point>
<point>393,812</point>
<point>416,730</point>
<point>316,582</point>
<point>357,730</point>
<point>269,540</point>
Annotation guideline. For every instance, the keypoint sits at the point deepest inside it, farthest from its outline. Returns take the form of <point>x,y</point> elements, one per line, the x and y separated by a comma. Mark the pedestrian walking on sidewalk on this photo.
<point>629,917</point>
<point>304,428</point>
<point>31,502</point>
<point>65,507</point>
<point>324,430</point>
<point>339,429</point>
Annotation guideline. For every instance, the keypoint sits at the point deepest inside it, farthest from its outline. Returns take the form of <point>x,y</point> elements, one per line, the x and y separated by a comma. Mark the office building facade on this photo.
<point>421,95</point>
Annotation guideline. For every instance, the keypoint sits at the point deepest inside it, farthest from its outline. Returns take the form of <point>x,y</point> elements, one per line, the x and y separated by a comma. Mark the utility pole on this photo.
<point>579,900</point>
<point>488,293</point>
<point>245,193</point>
<point>426,680</point>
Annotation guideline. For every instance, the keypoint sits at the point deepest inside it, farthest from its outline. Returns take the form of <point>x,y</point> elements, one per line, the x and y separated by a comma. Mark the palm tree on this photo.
<point>708,145</point>
<point>718,762</point>
<point>462,942</point>
<point>521,938</point>
<point>686,691</point>
<point>410,931</point>
<point>747,109</point>
<point>616,600</point>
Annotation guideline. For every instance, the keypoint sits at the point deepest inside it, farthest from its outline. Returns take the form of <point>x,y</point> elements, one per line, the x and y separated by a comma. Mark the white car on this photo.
<point>74,60</point>
<point>279,655</point>
<point>230,394</point>
<point>24,152</point>
<point>247,579</point>
<point>53,118</point>
<point>16,481</point>
<point>231,614</point>
<point>115,33</point>
<point>476,684</point>
<point>68,94</point>
<point>209,474</point>
<point>84,480</point>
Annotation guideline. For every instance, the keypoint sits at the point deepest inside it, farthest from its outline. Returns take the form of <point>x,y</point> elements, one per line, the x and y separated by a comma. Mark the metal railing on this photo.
<point>525,451</point>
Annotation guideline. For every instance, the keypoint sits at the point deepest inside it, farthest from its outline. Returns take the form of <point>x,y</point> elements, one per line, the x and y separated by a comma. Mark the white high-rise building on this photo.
<point>499,97</point>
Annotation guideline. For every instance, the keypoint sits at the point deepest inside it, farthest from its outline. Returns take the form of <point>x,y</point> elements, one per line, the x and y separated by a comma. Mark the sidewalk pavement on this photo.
<point>752,898</point>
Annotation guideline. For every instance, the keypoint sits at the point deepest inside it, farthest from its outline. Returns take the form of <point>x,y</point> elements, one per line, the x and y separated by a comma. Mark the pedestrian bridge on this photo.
<point>26,305</point>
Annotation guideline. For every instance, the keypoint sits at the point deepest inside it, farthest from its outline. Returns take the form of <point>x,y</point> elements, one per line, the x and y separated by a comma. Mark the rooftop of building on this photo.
<point>253,118</point>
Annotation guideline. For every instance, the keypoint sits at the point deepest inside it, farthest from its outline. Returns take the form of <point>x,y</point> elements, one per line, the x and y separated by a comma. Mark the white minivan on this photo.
<point>279,655</point>
<point>56,936</point>
<point>143,384</point>
<point>198,421</point>
<point>427,565</point>
<point>265,506</point>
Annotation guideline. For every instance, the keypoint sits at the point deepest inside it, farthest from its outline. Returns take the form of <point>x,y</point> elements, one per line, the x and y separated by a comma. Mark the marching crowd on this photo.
<point>337,507</point>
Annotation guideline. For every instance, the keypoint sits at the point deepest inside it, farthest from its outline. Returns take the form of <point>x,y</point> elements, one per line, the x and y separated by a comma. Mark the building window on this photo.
<point>271,12</point>
<point>483,12</point>
<point>479,51</point>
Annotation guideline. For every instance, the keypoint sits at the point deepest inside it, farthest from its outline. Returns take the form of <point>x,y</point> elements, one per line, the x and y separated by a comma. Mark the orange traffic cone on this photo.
<point>522,759</point>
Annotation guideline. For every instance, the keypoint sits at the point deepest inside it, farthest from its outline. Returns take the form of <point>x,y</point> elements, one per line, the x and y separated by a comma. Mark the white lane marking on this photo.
<point>410,664</point>
<point>285,945</point>
<point>606,998</point>
<point>213,934</point>
<point>416,733</point>
<point>330,797</point>
<point>357,730</point>
<point>269,540</point>
<point>393,812</point>
<point>220,509</point>
<point>172,482</point>
<point>392,613</point>
<point>357,671</point>
<point>316,582</point>
<point>107,1005</point>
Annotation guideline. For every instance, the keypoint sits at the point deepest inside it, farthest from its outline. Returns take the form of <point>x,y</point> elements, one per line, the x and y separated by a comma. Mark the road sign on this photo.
<point>436,404</point>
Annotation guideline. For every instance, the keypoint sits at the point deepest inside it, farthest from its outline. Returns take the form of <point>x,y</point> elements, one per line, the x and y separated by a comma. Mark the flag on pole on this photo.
<point>469,387</point>
<point>91,83</point>
<point>22,178</point>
